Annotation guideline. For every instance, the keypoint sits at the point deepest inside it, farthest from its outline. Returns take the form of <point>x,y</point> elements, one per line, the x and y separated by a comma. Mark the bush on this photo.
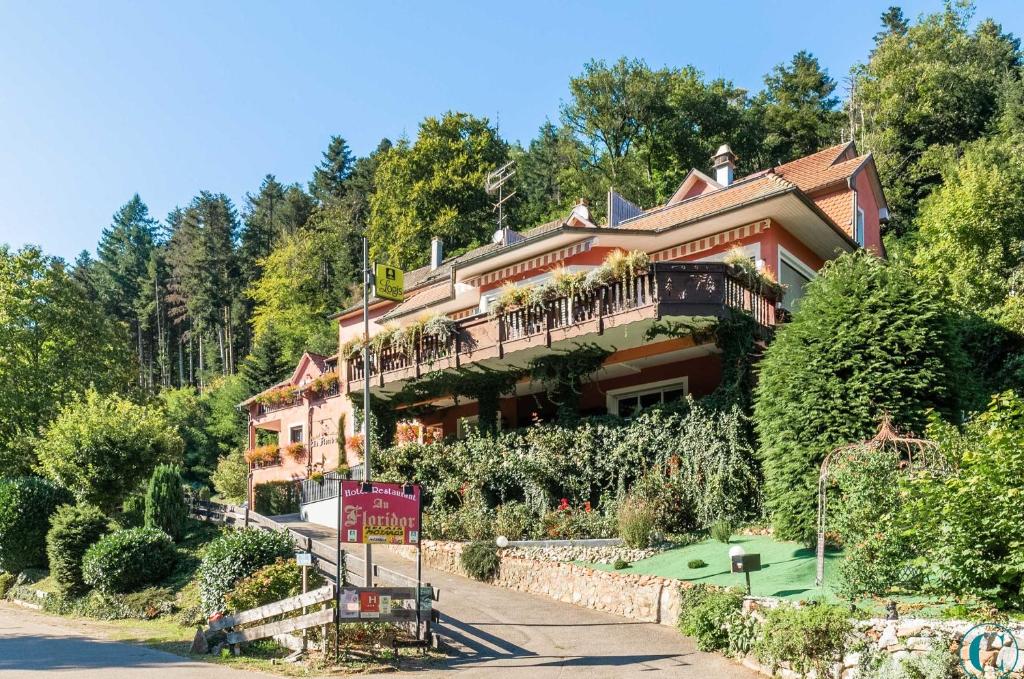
<point>6,581</point>
<point>127,560</point>
<point>133,511</point>
<point>165,502</point>
<point>234,556</point>
<point>26,504</point>
<point>812,637</point>
<point>72,531</point>
<point>620,564</point>
<point>100,446</point>
<point>636,523</point>
<point>231,477</point>
<point>514,520</point>
<point>480,560</point>
<point>867,338</point>
<point>696,563</point>
<point>704,612</point>
<point>279,580</point>
<point>938,663</point>
<point>275,498</point>
<point>721,530</point>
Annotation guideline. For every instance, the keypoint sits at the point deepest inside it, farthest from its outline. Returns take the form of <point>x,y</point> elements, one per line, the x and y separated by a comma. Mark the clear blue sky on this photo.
<point>99,100</point>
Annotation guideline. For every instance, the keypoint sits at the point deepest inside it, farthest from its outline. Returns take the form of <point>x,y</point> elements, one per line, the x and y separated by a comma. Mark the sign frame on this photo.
<point>384,514</point>
<point>388,282</point>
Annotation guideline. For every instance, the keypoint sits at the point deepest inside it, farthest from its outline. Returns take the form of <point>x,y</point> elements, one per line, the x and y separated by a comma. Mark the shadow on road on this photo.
<point>42,652</point>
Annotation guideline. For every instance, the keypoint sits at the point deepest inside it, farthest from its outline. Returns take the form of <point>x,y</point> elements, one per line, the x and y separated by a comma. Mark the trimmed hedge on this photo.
<point>26,504</point>
<point>276,497</point>
<point>234,556</point>
<point>128,560</point>
<point>72,531</point>
<point>165,502</point>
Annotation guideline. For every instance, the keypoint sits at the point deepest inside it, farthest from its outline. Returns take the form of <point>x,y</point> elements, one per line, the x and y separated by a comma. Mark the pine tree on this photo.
<point>166,508</point>
<point>266,365</point>
<point>330,176</point>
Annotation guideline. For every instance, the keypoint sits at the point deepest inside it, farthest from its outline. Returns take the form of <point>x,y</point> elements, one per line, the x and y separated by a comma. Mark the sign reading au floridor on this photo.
<point>380,513</point>
<point>390,282</point>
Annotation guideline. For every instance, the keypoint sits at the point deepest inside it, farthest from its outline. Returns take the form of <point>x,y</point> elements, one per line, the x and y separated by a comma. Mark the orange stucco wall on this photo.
<point>867,202</point>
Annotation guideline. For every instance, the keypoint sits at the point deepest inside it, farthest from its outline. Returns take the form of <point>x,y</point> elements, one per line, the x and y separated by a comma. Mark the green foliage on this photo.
<point>867,512</point>
<point>813,637</point>
<point>514,520</point>
<point>234,556</point>
<point>26,505</point>
<point>704,612</point>
<point>696,563</point>
<point>620,564</point>
<point>637,520</point>
<point>722,530</point>
<point>55,341</point>
<point>166,509</point>
<point>127,560</point>
<point>6,582</point>
<point>72,531</point>
<point>480,560</point>
<point>866,340</point>
<point>563,374</point>
<point>133,511</point>
<point>100,446</point>
<point>938,663</point>
<point>925,89</point>
<point>274,498</point>
<point>434,187</point>
<point>279,580</point>
<point>976,510</point>
<point>231,478</point>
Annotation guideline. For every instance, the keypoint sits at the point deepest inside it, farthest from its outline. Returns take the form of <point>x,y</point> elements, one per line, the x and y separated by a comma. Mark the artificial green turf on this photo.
<point>788,568</point>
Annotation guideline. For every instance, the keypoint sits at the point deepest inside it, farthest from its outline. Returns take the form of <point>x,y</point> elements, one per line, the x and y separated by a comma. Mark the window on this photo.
<point>628,402</point>
<point>858,229</point>
<point>295,434</point>
<point>794,275</point>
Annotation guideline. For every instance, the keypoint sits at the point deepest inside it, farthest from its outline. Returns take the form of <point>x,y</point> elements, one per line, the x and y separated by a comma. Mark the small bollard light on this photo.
<point>744,563</point>
<point>502,542</point>
<point>736,551</point>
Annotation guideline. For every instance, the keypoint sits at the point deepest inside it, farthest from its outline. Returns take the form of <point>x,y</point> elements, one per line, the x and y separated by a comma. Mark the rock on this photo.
<point>888,637</point>
<point>851,660</point>
<point>910,628</point>
<point>199,645</point>
<point>919,644</point>
<point>900,656</point>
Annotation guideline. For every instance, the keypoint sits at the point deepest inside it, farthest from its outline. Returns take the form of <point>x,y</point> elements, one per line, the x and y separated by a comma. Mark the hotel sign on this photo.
<point>389,282</point>
<point>380,513</point>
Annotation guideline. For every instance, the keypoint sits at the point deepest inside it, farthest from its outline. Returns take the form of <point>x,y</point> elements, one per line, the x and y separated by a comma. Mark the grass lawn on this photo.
<point>787,567</point>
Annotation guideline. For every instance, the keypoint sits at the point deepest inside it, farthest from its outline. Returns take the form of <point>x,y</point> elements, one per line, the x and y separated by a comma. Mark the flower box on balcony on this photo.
<point>263,455</point>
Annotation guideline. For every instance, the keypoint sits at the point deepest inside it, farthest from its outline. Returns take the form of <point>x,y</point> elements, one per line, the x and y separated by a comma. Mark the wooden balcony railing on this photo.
<point>669,289</point>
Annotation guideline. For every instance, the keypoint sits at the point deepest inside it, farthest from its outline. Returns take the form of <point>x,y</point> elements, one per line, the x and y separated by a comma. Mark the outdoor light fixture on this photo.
<point>744,563</point>
<point>736,551</point>
<point>367,487</point>
<point>502,542</point>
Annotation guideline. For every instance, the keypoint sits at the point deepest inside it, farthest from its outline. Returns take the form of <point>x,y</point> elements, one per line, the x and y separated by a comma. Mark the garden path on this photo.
<point>498,632</point>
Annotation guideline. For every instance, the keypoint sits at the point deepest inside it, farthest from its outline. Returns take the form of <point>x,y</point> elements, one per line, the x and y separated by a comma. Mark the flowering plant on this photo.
<point>263,455</point>
<point>296,451</point>
<point>324,383</point>
<point>354,445</point>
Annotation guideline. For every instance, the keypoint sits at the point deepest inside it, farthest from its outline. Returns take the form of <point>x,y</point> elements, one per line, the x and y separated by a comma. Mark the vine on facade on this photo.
<point>563,374</point>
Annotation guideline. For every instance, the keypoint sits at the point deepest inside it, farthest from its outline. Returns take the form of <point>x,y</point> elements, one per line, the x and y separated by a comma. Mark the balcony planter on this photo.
<point>263,456</point>
<point>296,451</point>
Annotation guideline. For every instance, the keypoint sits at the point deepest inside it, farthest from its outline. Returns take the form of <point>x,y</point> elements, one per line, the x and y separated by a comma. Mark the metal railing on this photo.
<point>315,490</point>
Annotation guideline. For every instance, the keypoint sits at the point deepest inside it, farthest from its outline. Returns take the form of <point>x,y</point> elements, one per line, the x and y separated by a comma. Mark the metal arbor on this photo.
<point>915,454</point>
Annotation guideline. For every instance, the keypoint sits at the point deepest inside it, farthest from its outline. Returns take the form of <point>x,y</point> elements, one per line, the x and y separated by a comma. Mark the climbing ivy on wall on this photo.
<point>563,374</point>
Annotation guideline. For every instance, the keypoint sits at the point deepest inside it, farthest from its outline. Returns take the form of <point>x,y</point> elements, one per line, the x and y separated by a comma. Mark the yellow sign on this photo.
<point>383,535</point>
<point>390,282</point>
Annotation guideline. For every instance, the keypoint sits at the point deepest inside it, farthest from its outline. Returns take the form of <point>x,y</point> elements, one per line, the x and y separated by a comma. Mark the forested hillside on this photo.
<point>197,309</point>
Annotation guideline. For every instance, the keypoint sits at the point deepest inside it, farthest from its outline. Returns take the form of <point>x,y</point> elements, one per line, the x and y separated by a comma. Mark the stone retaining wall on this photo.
<point>645,598</point>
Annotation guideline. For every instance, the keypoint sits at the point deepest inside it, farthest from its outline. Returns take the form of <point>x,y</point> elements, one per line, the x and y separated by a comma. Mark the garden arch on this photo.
<point>915,454</point>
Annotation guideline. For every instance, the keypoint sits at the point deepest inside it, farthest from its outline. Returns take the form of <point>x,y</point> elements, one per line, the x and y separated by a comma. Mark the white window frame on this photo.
<point>795,262</point>
<point>612,396</point>
<point>858,226</point>
<point>301,426</point>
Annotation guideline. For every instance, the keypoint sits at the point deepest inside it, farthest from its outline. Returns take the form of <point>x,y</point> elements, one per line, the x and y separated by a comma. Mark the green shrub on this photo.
<point>275,498</point>
<point>166,509</point>
<point>514,520</point>
<point>721,530</point>
<point>127,560</point>
<point>72,531</point>
<point>26,504</point>
<point>102,445</point>
<point>6,581</point>
<point>133,511</point>
<point>937,663</point>
<point>234,556</point>
<point>620,564</point>
<point>742,631</point>
<point>704,612</point>
<point>811,637</point>
<point>636,523</point>
<point>867,339</point>
<point>696,563</point>
<point>480,560</point>
<point>279,580</point>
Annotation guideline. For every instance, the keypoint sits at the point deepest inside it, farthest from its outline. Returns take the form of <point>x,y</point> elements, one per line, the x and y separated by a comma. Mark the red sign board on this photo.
<point>383,513</point>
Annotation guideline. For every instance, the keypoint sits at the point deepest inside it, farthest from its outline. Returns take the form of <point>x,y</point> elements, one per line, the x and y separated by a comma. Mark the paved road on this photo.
<point>503,633</point>
<point>34,646</point>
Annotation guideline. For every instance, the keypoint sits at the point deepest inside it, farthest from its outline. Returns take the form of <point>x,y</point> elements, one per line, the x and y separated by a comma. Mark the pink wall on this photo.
<point>867,202</point>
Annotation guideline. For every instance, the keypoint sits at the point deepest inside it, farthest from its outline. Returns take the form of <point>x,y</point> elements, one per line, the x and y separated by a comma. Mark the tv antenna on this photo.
<point>495,184</point>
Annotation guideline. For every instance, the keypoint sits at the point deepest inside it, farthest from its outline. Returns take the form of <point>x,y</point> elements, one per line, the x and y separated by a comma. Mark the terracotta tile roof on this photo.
<point>419,300</point>
<point>741,192</point>
<point>838,205</point>
<point>806,172</point>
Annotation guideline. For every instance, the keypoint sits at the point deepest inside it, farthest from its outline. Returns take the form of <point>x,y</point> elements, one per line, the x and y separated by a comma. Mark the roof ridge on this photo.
<point>689,201</point>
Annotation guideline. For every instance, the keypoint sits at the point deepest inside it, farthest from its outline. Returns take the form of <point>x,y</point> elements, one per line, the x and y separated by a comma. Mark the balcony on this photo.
<point>671,289</point>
